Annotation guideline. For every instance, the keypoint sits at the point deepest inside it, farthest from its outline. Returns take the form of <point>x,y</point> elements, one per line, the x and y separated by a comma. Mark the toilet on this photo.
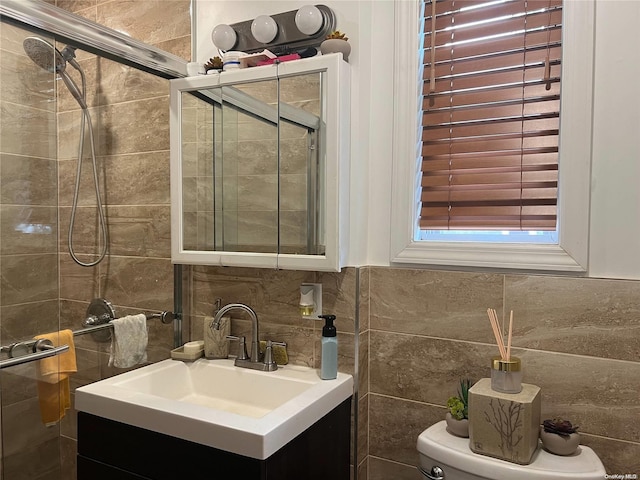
<point>444,456</point>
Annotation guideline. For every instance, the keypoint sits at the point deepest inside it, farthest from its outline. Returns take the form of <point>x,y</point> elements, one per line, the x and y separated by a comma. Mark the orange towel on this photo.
<point>53,378</point>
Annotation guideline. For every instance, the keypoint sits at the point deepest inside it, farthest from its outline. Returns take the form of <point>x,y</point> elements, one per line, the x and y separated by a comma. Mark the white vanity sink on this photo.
<point>214,403</point>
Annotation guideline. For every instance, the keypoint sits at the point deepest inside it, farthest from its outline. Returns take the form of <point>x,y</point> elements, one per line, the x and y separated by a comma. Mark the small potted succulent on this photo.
<point>458,415</point>
<point>559,436</point>
<point>336,42</point>
<point>214,63</point>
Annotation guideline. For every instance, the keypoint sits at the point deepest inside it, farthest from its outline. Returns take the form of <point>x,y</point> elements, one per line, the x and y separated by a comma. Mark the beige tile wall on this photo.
<point>578,340</point>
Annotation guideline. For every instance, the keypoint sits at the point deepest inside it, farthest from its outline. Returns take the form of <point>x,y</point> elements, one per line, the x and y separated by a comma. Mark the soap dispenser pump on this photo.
<point>329,359</point>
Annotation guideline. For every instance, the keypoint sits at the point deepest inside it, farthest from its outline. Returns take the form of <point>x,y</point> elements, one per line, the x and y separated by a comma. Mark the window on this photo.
<point>568,252</point>
<point>491,115</point>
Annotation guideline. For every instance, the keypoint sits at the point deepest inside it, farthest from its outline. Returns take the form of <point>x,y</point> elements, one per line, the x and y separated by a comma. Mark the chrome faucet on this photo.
<point>255,360</point>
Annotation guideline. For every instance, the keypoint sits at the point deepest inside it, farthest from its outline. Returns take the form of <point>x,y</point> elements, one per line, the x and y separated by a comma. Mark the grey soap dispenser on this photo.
<point>329,360</point>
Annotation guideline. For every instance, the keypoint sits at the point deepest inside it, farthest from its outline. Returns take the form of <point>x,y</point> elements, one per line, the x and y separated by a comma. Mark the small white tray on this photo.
<point>178,354</point>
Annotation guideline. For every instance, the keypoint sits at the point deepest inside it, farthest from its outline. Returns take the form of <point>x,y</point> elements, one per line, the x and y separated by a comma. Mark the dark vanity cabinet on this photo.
<point>110,450</point>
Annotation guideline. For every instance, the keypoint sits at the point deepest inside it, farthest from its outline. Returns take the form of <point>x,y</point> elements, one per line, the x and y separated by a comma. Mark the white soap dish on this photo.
<point>189,352</point>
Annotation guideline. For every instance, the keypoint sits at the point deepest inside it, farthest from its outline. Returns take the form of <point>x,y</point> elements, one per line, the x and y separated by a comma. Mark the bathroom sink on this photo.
<point>221,387</point>
<point>214,403</point>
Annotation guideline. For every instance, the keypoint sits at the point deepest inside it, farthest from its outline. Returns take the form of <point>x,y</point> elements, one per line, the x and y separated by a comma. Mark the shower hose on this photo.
<point>86,121</point>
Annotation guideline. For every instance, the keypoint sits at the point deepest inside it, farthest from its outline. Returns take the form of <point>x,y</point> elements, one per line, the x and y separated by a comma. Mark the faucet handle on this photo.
<point>242,347</point>
<point>269,362</point>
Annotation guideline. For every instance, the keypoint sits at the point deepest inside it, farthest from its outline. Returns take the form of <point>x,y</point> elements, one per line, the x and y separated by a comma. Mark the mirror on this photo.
<point>250,169</point>
<point>301,187</point>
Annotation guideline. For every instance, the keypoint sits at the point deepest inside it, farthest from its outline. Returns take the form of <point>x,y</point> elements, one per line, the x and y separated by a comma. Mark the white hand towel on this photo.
<point>129,341</point>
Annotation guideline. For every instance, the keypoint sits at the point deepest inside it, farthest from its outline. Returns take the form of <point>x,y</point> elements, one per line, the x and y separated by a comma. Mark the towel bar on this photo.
<point>99,314</point>
<point>42,349</point>
<point>101,311</point>
<point>92,320</point>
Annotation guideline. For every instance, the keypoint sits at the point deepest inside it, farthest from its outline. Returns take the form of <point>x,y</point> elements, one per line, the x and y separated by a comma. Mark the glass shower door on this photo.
<point>29,291</point>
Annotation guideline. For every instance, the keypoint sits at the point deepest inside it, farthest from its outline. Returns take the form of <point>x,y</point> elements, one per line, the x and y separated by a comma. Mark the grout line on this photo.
<point>95,108</point>
<point>34,302</point>
<point>134,257</point>
<point>630,442</point>
<point>525,349</point>
<point>108,155</point>
<point>74,300</point>
<point>31,157</point>
<point>393,461</point>
<point>30,107</point>
<point>407,400</point>
<point>36,254</point>
<point>109,205</point>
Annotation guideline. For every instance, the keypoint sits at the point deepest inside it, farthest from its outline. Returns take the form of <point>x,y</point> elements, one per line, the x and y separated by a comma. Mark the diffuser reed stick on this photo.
<point>509,337</point>
<point>505,353</point>
<point>493,318</point>
<point>506,372</point>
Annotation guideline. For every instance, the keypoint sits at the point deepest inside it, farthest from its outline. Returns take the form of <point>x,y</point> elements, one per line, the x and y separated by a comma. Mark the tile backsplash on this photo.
<point>415,332</point>
<point>579,340</point>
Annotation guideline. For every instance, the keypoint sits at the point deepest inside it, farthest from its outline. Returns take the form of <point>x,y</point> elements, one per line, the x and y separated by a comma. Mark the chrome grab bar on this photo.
<point>44,351</point>
<point>101,312</point>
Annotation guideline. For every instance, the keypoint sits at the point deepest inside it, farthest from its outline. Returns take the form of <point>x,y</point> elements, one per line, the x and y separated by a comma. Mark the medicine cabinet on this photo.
<point>260,166</point>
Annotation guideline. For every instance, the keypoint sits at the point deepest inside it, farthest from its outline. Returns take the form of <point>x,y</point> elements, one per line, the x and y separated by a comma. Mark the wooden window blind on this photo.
<point>491,114</point>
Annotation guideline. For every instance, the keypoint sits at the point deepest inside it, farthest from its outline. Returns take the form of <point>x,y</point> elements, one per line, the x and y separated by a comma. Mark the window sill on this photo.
<point>540,258</point>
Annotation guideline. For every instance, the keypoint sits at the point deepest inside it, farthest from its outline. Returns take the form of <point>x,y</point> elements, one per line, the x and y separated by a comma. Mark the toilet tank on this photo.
<point>437,447</point>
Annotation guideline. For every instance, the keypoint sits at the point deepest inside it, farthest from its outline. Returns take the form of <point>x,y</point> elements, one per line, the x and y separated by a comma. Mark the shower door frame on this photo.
<point>40,17</point>
<point>44,19</point>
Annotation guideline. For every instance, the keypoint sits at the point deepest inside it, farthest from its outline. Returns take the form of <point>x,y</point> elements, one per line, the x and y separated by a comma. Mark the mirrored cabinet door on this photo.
<point>189,177</point>
<point>247,171</point>
<point>257,157</point>
<point>301,162</point>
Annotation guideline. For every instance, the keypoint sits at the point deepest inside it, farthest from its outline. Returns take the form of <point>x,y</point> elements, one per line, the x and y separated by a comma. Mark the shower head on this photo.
<point>48,57</point>
<point>44,54</point>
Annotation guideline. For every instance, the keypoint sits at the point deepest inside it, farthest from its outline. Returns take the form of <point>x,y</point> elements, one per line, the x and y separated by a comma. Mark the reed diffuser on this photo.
<point>506,371</point>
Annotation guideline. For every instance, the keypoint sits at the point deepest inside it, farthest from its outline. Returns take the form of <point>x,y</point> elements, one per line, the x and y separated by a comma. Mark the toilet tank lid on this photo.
<point>439,445</point>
